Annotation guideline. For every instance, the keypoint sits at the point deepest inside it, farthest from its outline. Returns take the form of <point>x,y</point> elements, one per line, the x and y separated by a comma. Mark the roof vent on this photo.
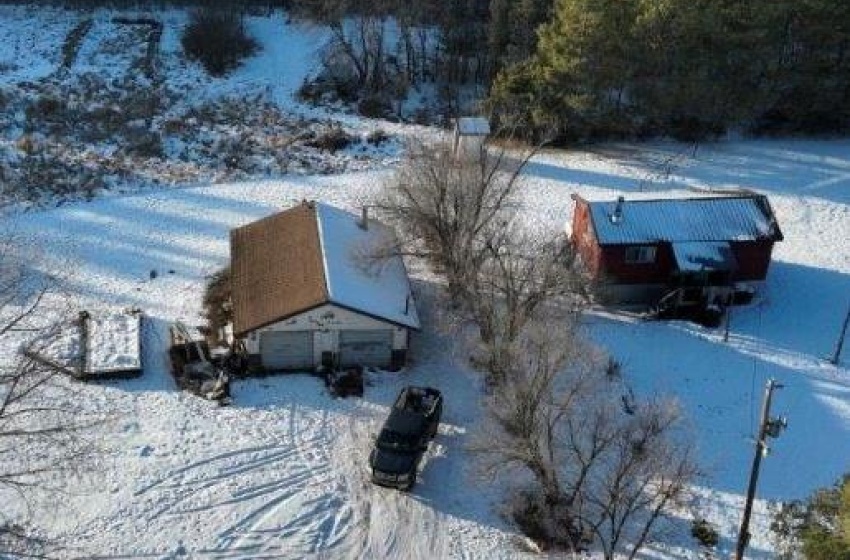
<point>617,216</point>
<point>364,218</point>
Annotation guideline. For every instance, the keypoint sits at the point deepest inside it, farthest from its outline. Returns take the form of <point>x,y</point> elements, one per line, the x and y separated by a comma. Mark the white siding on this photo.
<point>326,322</point>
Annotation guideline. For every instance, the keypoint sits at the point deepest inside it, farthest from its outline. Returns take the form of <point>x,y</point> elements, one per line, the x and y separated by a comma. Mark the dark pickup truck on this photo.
<point>412,423</point>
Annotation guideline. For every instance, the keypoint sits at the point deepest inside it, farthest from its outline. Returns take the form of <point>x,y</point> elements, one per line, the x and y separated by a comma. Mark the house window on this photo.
<point>640,254</point>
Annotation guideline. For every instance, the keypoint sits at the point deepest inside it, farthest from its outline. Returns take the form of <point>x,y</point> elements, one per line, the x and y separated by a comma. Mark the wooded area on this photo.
<point>613,68</point>
<point>587,69</point>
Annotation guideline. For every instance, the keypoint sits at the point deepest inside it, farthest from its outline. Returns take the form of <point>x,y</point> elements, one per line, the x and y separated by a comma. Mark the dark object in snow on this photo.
<point>345,383</point>
<point>411,425</point>
<point>153,274</point>
<point>700,312</point>
<point>192,368</point>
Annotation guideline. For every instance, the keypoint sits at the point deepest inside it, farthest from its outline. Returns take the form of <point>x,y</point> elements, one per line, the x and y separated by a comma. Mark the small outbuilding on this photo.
<point>309,290</point>
<point>695,250</point>
<point>470,133</point>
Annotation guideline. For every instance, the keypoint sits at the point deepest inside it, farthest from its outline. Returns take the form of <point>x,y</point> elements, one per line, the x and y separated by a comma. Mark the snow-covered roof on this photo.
<point>476,126</point>
<point>355,277</point>
<point>113,344</point>
<point>695,256</point>
<point>723,218</point>
<point>313,254</point>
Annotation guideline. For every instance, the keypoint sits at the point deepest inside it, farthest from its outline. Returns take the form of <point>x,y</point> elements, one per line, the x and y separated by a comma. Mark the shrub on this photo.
<point>375,107</point>
<point>819,525</point>
<point>143,143</point>
<point>217,307</point>
<point>45,107</point>
<point>331,140</point>
<point>27,144</point>
<point>704,532</point>
<point>217,40</point>
<point>550,526</point>
<point>327,89</point>
<point>377,137</point>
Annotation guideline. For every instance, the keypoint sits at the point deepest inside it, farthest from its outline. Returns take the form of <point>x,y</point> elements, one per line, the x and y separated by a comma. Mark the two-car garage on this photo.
<point>302,298</point>
<point>297,350</point>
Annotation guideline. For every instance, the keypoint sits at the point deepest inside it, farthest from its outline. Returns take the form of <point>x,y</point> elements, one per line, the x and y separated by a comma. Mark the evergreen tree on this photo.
<point>810,88</point>
<point>580,73</point>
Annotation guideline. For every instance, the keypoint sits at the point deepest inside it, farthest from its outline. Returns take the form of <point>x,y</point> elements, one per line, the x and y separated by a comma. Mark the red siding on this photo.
<point>753,259</point>
<point>609,262</point>
<point>584,238</point>
<point>617,269</point>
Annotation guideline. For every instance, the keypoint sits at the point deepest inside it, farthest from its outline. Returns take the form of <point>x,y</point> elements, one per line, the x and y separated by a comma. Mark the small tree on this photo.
<point>819,526</point>
<point>217,39</point>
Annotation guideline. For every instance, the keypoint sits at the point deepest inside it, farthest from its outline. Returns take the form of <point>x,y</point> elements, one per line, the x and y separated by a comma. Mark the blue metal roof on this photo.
<point>725,218</point>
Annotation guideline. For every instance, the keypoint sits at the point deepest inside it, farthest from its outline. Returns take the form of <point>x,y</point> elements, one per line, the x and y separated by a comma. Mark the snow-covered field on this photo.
<point>282,472</point>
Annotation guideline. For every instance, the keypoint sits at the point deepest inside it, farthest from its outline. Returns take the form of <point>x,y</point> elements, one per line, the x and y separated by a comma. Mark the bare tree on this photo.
<point>519,277</point>
<point>43,423</point>
<point>601,477</point>
<point>445,206</point>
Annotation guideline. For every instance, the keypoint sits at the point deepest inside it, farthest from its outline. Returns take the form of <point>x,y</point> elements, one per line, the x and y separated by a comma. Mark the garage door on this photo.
<point>365,348</point>
<point>287,349</point>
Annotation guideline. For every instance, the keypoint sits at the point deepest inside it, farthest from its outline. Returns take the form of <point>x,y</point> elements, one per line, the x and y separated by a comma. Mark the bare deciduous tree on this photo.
<point>601,477</point>
<point>43,423</point>
<point>519,276</point>
<point>445,206</point>
<point>458,210</point>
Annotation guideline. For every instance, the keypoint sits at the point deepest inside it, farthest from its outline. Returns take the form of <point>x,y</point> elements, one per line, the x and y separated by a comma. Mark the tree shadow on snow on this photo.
<point>808,168</point>
<point>786,335</point>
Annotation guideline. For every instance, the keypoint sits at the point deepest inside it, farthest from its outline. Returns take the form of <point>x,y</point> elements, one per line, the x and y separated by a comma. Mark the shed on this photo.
<point>703,247</point>
<point>469,135</point>
<point>308,291</point>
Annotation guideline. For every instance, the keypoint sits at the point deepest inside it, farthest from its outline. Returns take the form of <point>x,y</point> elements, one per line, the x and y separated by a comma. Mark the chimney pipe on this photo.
<point>617,216</point>
<point>364,218</point>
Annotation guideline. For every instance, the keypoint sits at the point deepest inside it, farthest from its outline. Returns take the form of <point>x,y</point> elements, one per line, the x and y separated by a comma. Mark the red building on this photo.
<point>689,249</point>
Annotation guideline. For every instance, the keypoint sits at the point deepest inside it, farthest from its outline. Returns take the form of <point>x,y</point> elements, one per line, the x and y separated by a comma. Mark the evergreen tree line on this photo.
<point>690,69</point>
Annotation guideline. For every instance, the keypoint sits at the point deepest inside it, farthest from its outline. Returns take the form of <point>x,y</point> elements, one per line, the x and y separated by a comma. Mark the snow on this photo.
<point>113,344</point>
<point>723,218</point>
<point>60,345</point>
<point>358,277</point>
<point>703,255</point>
<point>283,472</point>
<point>28,46</point>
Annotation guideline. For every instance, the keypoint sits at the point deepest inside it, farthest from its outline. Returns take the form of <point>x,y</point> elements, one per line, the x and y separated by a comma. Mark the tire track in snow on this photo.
<point>299,515</point>
<point>385,523</point>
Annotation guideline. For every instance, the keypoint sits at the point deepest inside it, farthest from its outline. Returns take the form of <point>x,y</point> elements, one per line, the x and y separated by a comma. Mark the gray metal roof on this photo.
<point>725,218</point>
<point>695,256</point>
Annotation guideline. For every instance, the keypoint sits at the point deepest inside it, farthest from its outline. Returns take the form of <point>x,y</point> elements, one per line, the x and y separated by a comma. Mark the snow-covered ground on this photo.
<point>282,472</point>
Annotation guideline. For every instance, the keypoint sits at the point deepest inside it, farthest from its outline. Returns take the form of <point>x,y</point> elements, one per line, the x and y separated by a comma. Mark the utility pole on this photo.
<point>837,355</point>
<point>769,427</point>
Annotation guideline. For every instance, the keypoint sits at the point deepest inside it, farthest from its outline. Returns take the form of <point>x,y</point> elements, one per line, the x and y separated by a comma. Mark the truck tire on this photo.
<point>412,482</point>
